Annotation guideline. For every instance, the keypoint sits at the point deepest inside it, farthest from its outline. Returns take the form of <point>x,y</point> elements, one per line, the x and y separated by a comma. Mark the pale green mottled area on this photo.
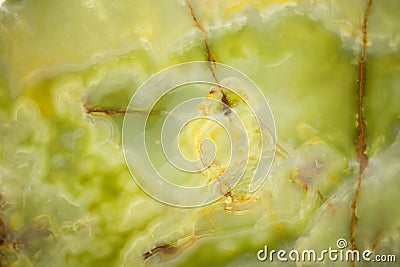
<point>69,197</point>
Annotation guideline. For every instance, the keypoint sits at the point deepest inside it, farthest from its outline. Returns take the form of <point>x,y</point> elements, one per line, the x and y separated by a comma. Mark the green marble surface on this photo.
<point>67,197</point>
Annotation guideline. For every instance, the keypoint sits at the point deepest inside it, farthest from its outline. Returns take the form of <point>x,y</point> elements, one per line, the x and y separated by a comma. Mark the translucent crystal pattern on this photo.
<point>329,70</point>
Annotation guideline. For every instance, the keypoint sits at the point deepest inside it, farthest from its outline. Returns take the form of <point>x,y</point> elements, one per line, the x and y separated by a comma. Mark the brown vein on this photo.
<point>210,56</point>
<point>361,127</point>
<point>111,111</point>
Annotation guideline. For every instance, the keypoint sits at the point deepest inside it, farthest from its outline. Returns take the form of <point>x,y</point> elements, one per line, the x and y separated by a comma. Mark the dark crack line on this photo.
<point>361,127</point>
<point>210,58</point>
<point>111,111</point>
